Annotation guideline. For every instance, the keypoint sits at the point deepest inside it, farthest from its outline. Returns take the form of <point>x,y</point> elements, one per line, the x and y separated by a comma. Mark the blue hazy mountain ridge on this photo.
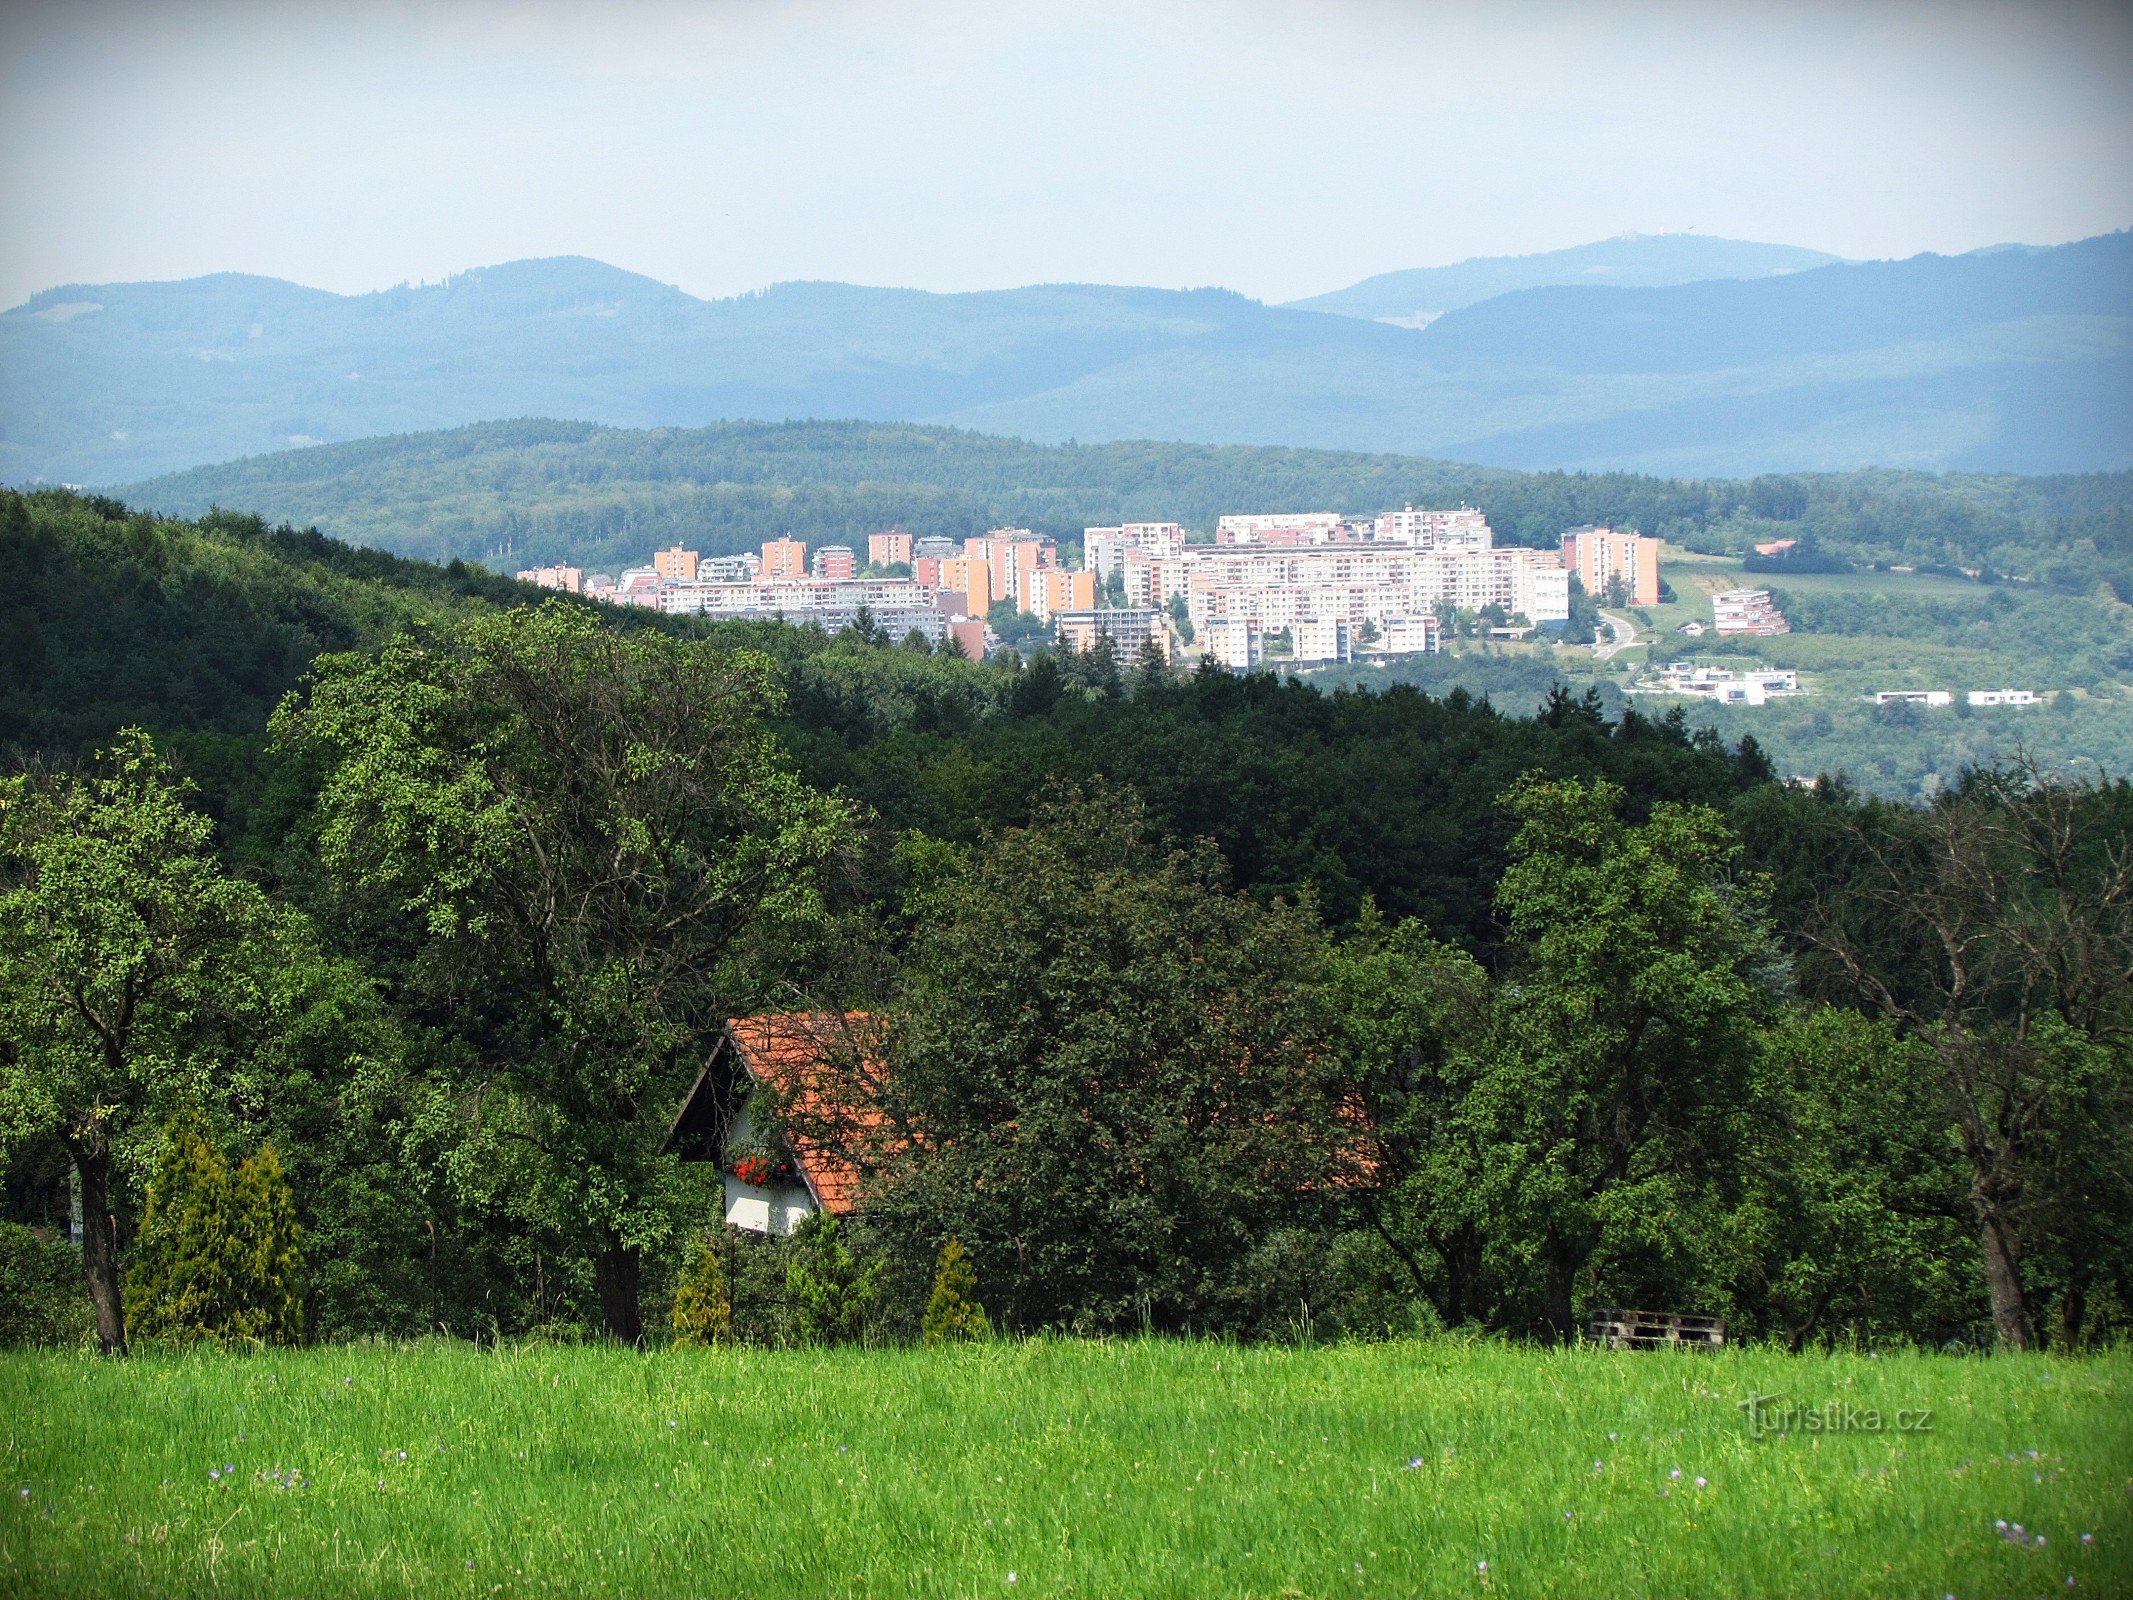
<point>2007,360</point>
<point>1632,261</point>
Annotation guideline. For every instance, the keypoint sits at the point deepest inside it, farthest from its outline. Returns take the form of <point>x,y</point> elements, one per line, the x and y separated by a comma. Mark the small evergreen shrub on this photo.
<point>43,1296</point>
<point>832,1293</point>
<point>703,1305</point>
<point>220,1253</point>
<point>953,1313</point>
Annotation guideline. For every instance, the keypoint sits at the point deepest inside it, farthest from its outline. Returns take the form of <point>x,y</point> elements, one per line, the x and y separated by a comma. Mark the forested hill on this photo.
<point>195,630</point>
<point>515,493</point>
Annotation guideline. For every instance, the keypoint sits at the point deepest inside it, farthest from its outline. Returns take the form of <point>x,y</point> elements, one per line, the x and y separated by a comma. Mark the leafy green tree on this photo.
<point>1413,1013</point>
<point>41,1298</point>
<point>1853,1215</point>
<point>1622,1042</point>
<point>703,1304</point>
<point>833,1294</point>
<point>220,1254</point>
<point>133,972</point>
<point>592,851</point>
<point>952,1310</point>
<point>1995,926</point>
<point>1107,1075</point>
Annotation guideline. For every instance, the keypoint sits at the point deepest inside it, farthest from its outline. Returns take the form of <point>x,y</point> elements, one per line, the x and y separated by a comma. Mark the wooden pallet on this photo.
<point>1655,1330</point>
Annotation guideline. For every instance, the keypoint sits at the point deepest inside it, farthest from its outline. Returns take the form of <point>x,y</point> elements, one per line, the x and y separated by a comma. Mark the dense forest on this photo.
<point>1201,1002</point>
<point>516,493</point>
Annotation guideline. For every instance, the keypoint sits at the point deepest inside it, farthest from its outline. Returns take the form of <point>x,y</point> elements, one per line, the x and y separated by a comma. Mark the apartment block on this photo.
<point>1105,550</point>
<point>1464,529</point>
<point>729,569</point>
<point>676,565</point>
<point>784,558</point>
<point>1279,527</point>
<point>568,579</point>
<point>1129,630</point>
<point>1322,639</point>
<point>935,548</point>
<point>1410,636</point>
<point>970,577</point>
<point>1599,556</point>
<point>888,549</point>
<point>834,561</point>
<point>1237,643</point>
<point>1049,590</point>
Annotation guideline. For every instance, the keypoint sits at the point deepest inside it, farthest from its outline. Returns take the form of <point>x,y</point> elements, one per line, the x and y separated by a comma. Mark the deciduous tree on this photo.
<point>591,851</point>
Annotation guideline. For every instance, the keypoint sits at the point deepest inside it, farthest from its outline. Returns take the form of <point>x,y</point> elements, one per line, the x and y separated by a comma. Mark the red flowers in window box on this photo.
<point>756,1169</point>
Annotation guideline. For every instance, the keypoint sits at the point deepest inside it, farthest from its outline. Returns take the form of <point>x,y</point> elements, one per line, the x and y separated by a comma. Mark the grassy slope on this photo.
<point>1084,1469</point>
<point>2045,642</point>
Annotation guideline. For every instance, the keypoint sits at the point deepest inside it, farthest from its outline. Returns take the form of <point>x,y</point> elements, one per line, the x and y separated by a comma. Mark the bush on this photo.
<point>703,1306</point>
<point>832,1293</point>
<point>220,1254</point>
<point>43,1299</point>
<point>953,1313</point>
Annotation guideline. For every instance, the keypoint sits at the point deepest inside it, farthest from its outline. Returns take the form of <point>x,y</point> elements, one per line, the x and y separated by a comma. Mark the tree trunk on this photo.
<point>99,1250</point>
<point>618,1270</point>
<point>2003,1276</point>
<point>1555,1298</point>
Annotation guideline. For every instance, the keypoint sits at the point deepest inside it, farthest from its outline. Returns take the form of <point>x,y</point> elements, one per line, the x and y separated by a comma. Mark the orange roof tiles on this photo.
<point>795,1055</point>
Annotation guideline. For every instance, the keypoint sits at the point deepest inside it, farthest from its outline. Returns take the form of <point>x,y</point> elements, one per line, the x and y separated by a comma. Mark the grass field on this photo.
<point>1055,1468</point>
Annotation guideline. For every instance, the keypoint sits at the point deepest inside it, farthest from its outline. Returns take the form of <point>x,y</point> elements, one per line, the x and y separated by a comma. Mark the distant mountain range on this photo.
<point>1635,261</point>
<point>2008,360</point>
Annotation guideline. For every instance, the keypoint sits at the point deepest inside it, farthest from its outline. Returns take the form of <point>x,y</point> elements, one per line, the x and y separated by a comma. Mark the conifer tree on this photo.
<point>220,1254</point>
<point>180,1285</point>
<point>703,1305</point>
<point>831,1291</point>
<point>953,1313</point>
<point>270,1244</point>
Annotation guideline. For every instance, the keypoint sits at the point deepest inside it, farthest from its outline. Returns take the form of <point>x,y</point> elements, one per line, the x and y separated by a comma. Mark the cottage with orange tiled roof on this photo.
<point>775,1177</point>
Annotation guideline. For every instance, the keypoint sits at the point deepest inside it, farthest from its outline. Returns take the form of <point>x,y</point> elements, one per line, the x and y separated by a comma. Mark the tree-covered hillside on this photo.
<point>1387,1011</point>
<point>195,630</point>
<point>515,493</point>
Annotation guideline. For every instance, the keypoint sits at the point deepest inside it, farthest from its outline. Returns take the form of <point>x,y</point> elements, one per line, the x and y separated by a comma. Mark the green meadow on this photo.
<point>1052,1467</point>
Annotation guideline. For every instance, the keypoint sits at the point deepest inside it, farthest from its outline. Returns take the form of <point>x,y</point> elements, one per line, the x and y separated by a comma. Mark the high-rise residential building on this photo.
<point>1234,642</point>
<point>676,565</point>
<point>835,561</point>
<point>888,549</point>
<point>1048,590</point>
<point>1130,630</point>
<point>1600,556</point>
<point>1464,529</point>
<point>729,569</point>
<point>935,548</point>
<point>783,558</point>
<point>1279,527</point>
<point>1103,549</point>
<point>970,577</point>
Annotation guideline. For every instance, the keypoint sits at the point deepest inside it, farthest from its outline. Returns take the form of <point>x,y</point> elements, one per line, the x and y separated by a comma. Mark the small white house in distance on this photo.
<point>1914,697</point>
<point>2002,697</point>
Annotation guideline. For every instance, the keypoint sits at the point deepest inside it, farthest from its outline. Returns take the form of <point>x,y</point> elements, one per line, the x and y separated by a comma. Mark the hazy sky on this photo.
<point>1280,149</point>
